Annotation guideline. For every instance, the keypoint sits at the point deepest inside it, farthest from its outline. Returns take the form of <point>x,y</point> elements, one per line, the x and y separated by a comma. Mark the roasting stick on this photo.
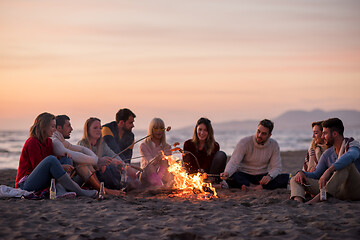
<point>186,152</point>
<point>206,175</point>
<point>135,167</point>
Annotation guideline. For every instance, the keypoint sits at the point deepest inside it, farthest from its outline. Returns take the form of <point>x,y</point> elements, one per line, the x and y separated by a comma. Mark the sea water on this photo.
<point>11,142</point>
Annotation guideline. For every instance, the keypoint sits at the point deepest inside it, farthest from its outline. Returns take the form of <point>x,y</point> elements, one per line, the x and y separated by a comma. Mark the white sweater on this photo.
<point>79,154</point>
<point>254,159</point>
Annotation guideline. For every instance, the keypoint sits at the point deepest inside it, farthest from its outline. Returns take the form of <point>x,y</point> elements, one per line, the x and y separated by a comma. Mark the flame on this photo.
<point>190,184</point>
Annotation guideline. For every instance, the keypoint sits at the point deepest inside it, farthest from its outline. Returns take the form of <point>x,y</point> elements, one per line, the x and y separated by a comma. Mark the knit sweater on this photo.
<point>79,154</point>
<point>255,159</point>
<point>32,154</point>
<point>204,160</point>
<point>149,151</point>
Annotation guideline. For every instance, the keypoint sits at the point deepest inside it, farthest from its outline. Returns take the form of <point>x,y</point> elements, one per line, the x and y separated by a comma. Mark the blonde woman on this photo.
<point>152,161</point>
<point>109,173</point>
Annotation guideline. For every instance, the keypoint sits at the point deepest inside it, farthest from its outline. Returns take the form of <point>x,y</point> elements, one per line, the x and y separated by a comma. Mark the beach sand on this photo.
<point>153,214</point>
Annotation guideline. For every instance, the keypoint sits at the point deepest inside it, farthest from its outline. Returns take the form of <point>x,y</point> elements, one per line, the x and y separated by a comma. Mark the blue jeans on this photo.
<point>240,178</point>
<point>40,177</point>
<point>66,160</point>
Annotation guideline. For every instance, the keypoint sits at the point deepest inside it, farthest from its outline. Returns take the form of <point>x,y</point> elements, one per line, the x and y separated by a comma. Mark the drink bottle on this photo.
<point>323,194</point>
<point>288,185</point>
<point>52,189</point>
<point>101,191</point>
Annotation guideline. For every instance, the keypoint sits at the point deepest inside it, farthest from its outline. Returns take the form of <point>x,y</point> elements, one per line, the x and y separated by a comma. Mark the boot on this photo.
<point>71,186</point>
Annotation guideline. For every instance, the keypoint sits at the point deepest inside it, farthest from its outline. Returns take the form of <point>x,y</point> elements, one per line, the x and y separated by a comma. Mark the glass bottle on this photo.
<point>101,191</point>
<point>288,185</point>
<point>323,194</point>
<point>52,189</point>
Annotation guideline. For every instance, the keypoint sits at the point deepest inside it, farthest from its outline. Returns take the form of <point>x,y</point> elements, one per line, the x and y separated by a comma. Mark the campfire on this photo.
<point>189,185</point>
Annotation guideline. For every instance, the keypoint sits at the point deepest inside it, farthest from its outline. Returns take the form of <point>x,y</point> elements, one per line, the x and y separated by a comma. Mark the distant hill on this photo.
<point>303,119</point>
<point>293,119</point>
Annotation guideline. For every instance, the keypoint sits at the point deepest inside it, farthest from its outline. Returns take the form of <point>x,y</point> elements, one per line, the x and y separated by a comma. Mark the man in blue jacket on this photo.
<point>118,135</point>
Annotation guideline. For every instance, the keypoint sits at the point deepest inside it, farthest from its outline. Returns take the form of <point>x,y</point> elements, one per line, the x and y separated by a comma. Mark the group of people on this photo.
<point>104,154</point>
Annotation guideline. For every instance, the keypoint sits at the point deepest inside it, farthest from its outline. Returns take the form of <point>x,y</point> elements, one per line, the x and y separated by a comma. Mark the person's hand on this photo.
<point>105,161</point>
<point>265,180</point>
<point>157,160</point>
<point>224,175</point>
<point>312,169</point>
<point>325,177</point>
<point>59,136</point>
<point>131,172</point>
<point>68,168</point>
<point>68,155</point>
<point>300,178</point>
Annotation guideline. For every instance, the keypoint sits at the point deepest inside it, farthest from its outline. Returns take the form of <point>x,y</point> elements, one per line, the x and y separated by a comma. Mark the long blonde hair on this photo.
<point>39,128</point>
<point>86,137</point>
<point>156,123</point>
<point>210,140</point>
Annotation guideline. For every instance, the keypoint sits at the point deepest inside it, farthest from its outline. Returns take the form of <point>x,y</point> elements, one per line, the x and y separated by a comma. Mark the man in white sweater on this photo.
<point>256,161</point>
<point>83,157</point>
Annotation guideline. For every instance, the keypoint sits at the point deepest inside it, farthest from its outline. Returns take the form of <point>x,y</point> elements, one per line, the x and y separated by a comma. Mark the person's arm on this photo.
<point>108,152</point>
<point>109,139</point>
<point>320,168</point>
<point>34,154</point>
<point>275,162</point>
<point>59,148</point>
<point>235,159</point>
<point>188,158</point>
<point>347,158</point>
<point>167,150</point>
<point>146,155</point>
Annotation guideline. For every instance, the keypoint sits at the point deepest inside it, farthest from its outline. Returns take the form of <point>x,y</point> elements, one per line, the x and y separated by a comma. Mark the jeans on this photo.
<point>40,177</point>
<point>240,178</point>
<point>66,160</point>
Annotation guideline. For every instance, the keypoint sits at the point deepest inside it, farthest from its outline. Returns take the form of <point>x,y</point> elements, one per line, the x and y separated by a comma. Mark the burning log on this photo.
<point>190,184</point>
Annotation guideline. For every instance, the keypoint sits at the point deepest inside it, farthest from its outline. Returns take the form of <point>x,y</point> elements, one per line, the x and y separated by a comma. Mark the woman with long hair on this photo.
<point>109,173</point>
<point>152,160</point>
<point>38,165</point>
<point>202,153</point>
<point>316,149</point>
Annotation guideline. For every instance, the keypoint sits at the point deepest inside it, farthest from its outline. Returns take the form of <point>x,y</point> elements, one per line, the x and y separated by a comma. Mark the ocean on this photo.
<point>11,142</point>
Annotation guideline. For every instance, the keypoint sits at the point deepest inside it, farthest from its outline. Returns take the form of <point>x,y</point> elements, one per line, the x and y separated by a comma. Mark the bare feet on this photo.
<point>251,188</point>
<point>299,199</point>
<point>114,192</point>
<point>316,199</point>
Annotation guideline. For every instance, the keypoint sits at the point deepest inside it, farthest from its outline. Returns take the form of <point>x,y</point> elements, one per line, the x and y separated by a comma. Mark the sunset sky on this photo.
<point>178,60</point>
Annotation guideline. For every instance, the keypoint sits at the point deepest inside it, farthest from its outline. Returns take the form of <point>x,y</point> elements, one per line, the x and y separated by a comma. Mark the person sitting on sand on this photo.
<point>152,160</point>
<point>202,152</point>
<point>337,170</point>
<point>38,165</point>
<point>256,160</point>
<point>110,174</point>
<point>83,158</point>
<point>118,135</point>
<point>316,149</point>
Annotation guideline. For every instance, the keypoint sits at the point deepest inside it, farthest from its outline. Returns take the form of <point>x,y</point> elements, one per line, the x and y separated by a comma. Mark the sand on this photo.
<point>152,214</point>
